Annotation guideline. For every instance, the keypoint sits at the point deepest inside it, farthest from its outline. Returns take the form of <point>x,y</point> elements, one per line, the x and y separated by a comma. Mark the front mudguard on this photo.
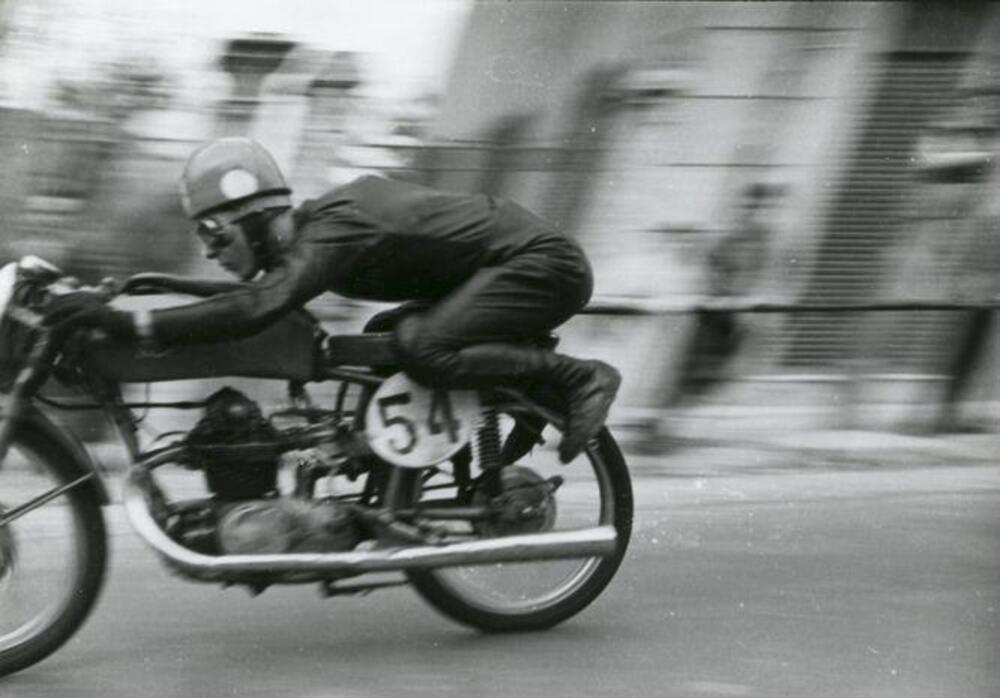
<point>33,425</point>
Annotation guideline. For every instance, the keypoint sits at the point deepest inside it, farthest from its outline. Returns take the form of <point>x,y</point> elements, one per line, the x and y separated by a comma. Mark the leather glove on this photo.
<point>85,309</point>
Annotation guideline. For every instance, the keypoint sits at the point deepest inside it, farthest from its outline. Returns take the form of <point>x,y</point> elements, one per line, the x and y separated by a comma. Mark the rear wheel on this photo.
<point>595,490</point>
<point>52,559</point>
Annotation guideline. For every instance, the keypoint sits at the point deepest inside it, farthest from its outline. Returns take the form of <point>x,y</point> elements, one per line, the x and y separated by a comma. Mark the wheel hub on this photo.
<point>526,505</point>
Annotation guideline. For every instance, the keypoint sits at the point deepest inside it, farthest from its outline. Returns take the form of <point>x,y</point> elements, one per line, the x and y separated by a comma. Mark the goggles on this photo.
<point>215,233</point>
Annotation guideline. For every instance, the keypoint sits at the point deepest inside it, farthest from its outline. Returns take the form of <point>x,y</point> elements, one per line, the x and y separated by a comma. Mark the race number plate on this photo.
<point>412,426</point>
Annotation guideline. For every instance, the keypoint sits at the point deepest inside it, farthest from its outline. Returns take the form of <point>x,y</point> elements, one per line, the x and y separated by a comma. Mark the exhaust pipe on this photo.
<point>587,542</point>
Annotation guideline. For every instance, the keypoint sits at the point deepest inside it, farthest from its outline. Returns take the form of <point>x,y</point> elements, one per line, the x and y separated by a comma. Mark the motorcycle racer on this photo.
<point>483,276</point>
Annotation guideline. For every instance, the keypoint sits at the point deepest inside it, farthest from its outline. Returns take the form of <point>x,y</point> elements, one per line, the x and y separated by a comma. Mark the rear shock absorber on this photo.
<point>486,447</point>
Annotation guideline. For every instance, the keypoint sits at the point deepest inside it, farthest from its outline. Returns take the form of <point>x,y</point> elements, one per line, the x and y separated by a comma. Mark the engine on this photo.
<point>235,447</point>
<point>286,525</point>
<point>240,453</point>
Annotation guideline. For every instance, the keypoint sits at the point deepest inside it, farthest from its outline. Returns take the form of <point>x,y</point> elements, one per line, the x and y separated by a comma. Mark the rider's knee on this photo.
<point>383,321</point>
<point>421,355</point>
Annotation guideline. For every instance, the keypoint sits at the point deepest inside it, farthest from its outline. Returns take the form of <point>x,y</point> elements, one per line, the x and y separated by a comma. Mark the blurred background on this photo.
<point>803,153</point>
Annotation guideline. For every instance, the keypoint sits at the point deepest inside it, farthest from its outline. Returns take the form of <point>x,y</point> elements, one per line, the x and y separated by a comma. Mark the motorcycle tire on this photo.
<point>86,555</point>
<point>435,586</point>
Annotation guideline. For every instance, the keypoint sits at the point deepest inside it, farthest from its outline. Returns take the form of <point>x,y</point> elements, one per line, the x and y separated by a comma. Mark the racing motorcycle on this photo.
<point>383,482</point>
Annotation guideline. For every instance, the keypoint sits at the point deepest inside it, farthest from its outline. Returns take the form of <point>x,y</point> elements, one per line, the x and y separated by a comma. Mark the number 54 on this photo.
<point>440,419</point>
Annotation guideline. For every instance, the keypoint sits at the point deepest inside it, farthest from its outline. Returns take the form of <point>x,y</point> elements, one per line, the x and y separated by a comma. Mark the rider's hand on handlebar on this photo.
<point>86,309</point>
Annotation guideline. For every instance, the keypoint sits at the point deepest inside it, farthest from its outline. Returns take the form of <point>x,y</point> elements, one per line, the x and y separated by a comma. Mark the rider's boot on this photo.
<point>588,387</point>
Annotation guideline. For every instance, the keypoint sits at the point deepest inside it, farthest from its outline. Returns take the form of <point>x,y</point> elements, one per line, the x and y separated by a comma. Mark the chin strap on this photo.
<point>257,228</point>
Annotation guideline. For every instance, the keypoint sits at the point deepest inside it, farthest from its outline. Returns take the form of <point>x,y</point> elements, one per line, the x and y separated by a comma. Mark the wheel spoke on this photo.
<point>9,515</point>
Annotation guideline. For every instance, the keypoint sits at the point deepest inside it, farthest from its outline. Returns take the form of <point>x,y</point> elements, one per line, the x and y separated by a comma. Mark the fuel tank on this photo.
<point>289,349</point>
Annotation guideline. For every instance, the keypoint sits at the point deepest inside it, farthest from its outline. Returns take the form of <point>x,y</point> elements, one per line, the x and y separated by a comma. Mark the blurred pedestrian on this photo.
<point>960,153</point>
<point>733,269</point>
<point>978,282</point>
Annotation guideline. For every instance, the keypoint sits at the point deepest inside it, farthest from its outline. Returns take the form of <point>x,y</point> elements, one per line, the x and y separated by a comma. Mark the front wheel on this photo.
<point>52,559</point>
<point>595,490</point>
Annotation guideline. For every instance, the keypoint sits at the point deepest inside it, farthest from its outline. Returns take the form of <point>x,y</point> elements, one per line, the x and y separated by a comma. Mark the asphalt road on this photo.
<point>866,582</point>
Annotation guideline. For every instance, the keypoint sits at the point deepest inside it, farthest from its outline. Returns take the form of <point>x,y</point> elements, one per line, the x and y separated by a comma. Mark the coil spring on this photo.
<point>487,442</point>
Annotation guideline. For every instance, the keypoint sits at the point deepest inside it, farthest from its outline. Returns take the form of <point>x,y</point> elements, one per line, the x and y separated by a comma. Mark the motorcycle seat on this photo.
<point>371,349</point>
<point>375,349</point>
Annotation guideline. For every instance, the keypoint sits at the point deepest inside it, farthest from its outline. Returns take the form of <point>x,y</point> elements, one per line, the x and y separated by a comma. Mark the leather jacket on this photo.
<point>373,239</point>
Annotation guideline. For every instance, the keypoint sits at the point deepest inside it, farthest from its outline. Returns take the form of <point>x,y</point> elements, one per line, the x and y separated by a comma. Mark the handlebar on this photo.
<point>151,282</point>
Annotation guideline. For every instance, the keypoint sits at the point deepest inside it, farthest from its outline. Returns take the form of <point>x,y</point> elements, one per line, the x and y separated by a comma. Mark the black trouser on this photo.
<point>469,338</point>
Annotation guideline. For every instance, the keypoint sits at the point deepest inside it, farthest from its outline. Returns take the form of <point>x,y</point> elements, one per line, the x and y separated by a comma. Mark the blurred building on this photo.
<point>628,123</point>
<point>632,125</point>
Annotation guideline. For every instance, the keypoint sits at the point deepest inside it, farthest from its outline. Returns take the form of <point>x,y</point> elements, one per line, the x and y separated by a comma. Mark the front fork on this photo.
<point>28,380</point>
